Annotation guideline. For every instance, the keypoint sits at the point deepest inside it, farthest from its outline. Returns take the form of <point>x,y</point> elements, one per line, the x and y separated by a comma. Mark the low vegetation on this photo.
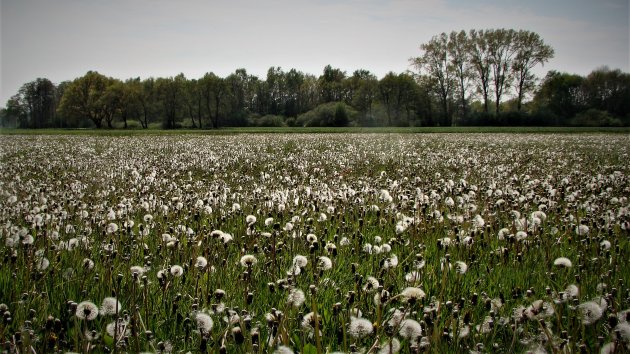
<point>354,243</point>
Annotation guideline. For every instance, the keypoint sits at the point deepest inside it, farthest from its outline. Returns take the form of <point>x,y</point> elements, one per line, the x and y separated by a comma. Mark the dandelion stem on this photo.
<point>318,343</point>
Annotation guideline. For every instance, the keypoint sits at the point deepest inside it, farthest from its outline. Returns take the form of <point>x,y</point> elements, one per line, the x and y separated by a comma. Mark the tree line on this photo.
<point>479,77</point>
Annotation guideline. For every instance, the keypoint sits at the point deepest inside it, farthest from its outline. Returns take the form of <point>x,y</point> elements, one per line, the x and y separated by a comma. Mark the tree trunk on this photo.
<point>520,95</point>
<point>463,99</point>
<point>192,116</point>
<point>485,101</point>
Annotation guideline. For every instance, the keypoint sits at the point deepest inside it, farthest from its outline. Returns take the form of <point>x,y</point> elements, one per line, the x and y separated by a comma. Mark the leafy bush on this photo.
<point>332,114</point>
<point>595,118</point>
<point>267,121</point>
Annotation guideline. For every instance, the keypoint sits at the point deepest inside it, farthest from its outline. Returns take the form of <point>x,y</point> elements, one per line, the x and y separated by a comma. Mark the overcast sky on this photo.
<point>63,39</point>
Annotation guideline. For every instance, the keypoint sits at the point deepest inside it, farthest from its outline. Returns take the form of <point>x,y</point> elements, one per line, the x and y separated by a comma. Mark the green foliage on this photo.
<point>595,118</point>
<point>267,121</point>
<point>459,75</point>
<point>332,114</point>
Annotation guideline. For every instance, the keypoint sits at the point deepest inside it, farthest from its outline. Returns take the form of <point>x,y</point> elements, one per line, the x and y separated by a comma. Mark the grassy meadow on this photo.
<point>343,241</point>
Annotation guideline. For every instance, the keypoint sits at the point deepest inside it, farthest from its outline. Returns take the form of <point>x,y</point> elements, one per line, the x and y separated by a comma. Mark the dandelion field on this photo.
<point>315,243</point>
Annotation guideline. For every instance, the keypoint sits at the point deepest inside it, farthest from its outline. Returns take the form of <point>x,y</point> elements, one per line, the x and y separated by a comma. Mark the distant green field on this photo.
<point>249,130</point>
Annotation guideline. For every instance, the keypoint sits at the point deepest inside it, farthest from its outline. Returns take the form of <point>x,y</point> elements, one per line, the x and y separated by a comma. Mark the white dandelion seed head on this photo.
<point>562,262</point>
<point>300,261</point>
<point>396,318</point>
<point>461,267</point>
<point>601,301</point>
<point>110,306</point>
<point>86,310</point>
<point>539,214</point>
<point>581,230</point>
<point>311,238</point>
<point>296,298</point>
<point>390,347</point>
<point>118,328</point>
<point>572,290</point>
<point>111,228</point>
<point>503,233</point>
<point>138,270</point>
<point>226,238</point>
<point>201,262</point>
<point>308,322</point>
<point>390,262</point>
<point>29,240</point>
<point>177,271</point>
<point>250,220</point>
<point>590,312</point>
<point>413,276</point>
<point>360,327</point>
<point>371,284</point>
<point>623,315</point>
<point>324,263</point>
<point>88,263</point>
<point>204,322</point>
<point>412,293</point>
<point>410,329</point>
<point>283,349</point>
<point>478,222</point>
<point>464,331</point>
<point>42,263</point>
<point>622,333</point>
<point>248,260</point>
<point>521,235</point>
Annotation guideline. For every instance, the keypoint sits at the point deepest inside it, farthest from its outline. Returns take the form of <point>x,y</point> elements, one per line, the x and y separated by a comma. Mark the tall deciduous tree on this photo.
<point>36,104</point>
<point>364,86</point>
<point>531,50</point>
<point>331,84</point>
<point>458,50</point>
<point>502,48</point>
<point>240,95</point>
<point>193,102</point>
<point>214,90</point>
<point>561,93</point>
<point>83,98</point>
<point>147,99</point>
<point>435,63</point>
<point>170,96</point>
<point>480,60</point>
<point>608,90</point>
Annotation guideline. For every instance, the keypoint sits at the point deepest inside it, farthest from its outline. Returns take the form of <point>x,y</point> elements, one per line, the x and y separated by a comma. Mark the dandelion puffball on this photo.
<point>563,262</point>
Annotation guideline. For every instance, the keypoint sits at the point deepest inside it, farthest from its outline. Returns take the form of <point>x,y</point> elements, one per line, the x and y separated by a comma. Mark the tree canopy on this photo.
<point>456,79</point>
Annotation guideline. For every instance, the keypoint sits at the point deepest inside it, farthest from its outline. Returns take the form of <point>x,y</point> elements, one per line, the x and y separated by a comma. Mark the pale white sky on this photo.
<point>63,39</point>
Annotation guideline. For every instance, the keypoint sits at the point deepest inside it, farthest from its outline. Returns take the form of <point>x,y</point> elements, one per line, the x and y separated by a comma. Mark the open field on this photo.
<point>369,243</point>
<point>309,130</point>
